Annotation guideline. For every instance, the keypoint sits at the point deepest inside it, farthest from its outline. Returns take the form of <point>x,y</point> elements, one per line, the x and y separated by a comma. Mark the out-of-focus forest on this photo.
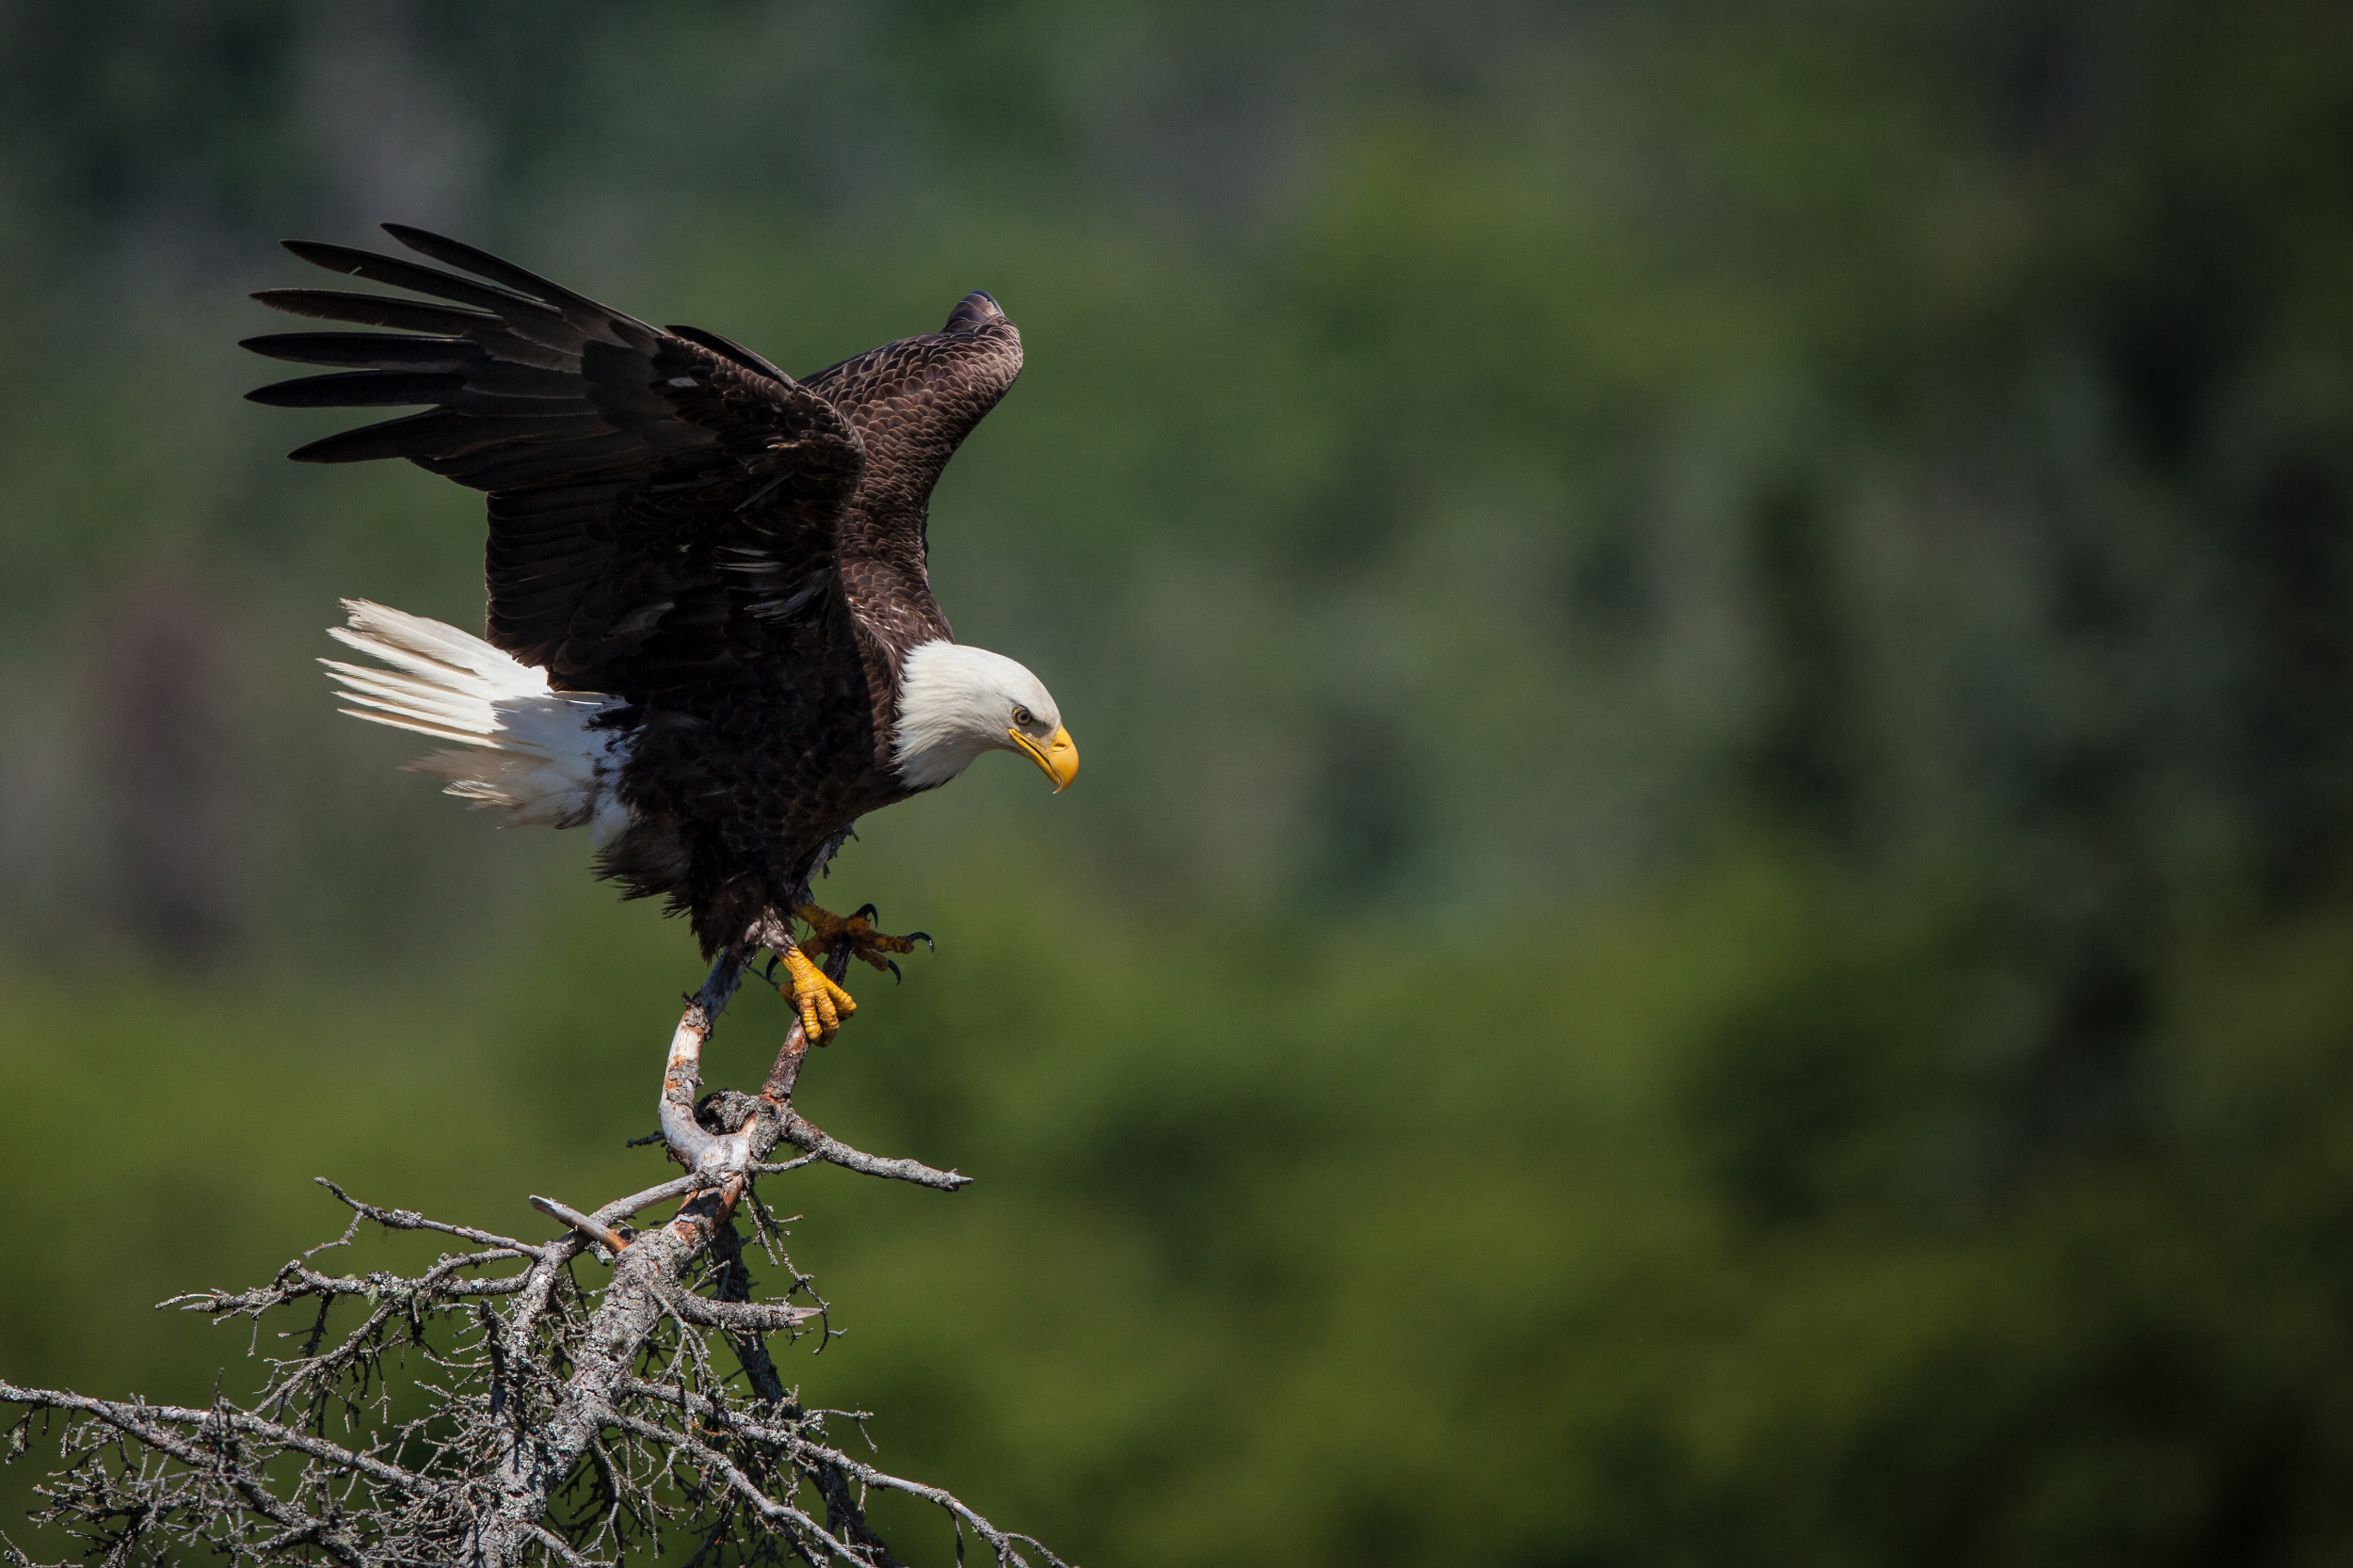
<point>1708,919</point>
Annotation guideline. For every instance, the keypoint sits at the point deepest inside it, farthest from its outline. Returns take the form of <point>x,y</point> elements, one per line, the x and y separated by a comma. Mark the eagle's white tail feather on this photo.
<point>410,702</point>
<point>425,646</point>
<point>531,750</point>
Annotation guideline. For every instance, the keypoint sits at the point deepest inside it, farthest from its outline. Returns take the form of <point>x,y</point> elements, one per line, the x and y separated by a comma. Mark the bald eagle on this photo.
<point>711,639</point>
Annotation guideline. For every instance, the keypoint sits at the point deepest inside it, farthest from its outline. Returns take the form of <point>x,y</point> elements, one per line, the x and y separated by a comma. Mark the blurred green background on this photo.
<point>1709,921</point>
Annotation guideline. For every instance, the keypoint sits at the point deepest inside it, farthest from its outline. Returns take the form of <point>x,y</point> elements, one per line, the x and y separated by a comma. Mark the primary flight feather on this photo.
<point>711,636</point>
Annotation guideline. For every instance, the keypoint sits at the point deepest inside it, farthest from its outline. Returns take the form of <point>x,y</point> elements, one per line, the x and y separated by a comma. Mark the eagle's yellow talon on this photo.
<point>820,1003</point>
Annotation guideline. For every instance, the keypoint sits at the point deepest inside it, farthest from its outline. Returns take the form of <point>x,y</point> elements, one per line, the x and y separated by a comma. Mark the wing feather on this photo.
<point>916,400</point>
<point>619,458</point>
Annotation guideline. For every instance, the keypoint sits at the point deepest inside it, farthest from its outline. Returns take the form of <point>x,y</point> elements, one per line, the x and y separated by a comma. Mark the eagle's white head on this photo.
<point>955,702</point>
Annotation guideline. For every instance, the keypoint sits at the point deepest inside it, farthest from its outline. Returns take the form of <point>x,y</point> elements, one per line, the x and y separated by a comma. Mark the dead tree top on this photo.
<point>495,1410</point>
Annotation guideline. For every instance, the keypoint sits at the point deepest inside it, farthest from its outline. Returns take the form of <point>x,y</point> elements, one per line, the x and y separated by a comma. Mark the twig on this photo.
<point>136,1416</point>
<point>602,1234</point>
<point>407,1219</point>
<point>802,1450</point>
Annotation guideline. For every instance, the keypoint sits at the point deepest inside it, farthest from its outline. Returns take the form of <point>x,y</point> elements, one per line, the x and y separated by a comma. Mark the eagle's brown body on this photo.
<point>737,556</point>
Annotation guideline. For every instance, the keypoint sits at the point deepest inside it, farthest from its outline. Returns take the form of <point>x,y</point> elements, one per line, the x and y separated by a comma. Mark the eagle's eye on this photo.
<point>1021,716</point>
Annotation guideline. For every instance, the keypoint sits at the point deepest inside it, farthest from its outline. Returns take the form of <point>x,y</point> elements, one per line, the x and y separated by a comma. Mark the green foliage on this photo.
<point>1475,1255</point>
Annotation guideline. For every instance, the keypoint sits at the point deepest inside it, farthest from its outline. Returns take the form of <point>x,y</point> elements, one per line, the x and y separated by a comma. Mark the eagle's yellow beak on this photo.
<point>1058,758</point>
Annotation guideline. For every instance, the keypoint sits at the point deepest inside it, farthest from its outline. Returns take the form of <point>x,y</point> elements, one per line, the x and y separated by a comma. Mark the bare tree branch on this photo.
<point>804,1134</point>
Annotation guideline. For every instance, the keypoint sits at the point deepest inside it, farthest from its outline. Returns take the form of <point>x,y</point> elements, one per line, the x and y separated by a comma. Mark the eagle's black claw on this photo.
<point>924,937</point>
<point>892,965</point>
<point>866,912</point>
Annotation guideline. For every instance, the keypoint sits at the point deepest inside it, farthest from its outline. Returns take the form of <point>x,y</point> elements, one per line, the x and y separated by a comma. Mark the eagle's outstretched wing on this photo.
<point>659,499</point>
<point>913,403</point>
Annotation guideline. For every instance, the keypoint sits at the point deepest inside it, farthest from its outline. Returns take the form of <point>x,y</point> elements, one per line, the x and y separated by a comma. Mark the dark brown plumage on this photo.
<point>737,556</point>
